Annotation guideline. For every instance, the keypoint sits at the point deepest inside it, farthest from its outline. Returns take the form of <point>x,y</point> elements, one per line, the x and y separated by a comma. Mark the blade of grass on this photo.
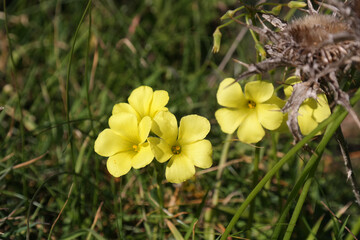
<point>301,200</point>
<point>355,230</point>
<point>314,230</point>
<point>255,181</point>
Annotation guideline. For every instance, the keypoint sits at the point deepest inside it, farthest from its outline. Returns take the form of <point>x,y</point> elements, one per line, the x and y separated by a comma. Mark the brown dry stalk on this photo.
<point>62,209</point>
<point>97,216</point>
<point>24,164</point>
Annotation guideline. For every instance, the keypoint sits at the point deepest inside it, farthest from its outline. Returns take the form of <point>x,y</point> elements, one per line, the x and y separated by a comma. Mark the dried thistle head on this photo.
<point>318,46</point>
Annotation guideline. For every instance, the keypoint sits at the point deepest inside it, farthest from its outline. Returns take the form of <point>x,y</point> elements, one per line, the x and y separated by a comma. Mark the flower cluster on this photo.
<point>127,142</point>
<point>258,108</point>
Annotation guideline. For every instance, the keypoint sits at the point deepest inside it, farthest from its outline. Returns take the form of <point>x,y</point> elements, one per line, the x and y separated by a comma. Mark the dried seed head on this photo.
<point>312,30</point>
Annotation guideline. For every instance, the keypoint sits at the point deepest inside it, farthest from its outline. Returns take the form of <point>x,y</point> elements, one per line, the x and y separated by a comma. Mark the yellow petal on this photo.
<point>126,125</point>
<point>229,119</point>
<point>144,128</point>
<point>179,169</point>
<point>109,143</point>
<point>288,89</point>
<point>119,164</point>
<point>143,157</point>
<point>289,82</point>
<point>199,152</point>
<point>193,128</point>
<point>258,91</point>
<point>140,99</point>
<point>165,126</point>
<point>230,94</point>
<point>124,108</point>
<point>269,115</point>
<point>250,130</point>
<point>161,150</point>
<point>322,110</point>
<point>305,120</point>
<point>159,100</point>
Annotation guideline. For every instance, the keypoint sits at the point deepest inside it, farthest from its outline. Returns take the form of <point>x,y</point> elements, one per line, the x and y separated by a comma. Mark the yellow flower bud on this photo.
<point>217,40</point>
<point>296,4</point>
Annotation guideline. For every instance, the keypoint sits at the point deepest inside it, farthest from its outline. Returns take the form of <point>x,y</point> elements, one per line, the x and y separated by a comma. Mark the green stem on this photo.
<point>159,174</point>
<point>22,132</point>
<point>68,83</point>
<point>87,79</point>
<point>68,121</point>
<point>209,232</point>
<point>338,113</point>
<point>251,31</point>
<point>231,21</point>
<point>301,201</point>
<point>255,181</point>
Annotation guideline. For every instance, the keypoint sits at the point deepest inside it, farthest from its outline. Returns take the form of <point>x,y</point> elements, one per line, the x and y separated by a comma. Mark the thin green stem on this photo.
<point>22,131</point>
<point>67,109</point>
<point>231,21</point>
<point>254,182</point>
<point>68,83</point>
<point>300,202</point>
<point>87,79</point>
<point>18,102</point>
<point>338,113</point>
<point>209,232</point>
<point>251,31</point>
<point>160,192</point>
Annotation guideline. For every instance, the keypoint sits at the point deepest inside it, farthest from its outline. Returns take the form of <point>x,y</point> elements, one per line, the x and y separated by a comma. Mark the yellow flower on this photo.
<point>125,143</point>
<point>185,147</point>
<point>311,112</point>
<point>249,112</point>
<point>143,101</point>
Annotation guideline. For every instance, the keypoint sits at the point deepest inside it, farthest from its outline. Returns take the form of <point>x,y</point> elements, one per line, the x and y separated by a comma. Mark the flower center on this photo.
<point>176,149</point>
<point>251,104</point>
<point>136,147</point>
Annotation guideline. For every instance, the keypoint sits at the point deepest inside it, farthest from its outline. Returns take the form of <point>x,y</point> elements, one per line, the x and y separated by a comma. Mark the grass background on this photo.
<point>66,192</point>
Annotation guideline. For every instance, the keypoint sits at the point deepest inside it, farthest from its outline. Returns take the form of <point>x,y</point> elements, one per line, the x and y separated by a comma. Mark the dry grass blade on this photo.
<point>97,216</point>
<point>62,209</point>
<point>27,163</point>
